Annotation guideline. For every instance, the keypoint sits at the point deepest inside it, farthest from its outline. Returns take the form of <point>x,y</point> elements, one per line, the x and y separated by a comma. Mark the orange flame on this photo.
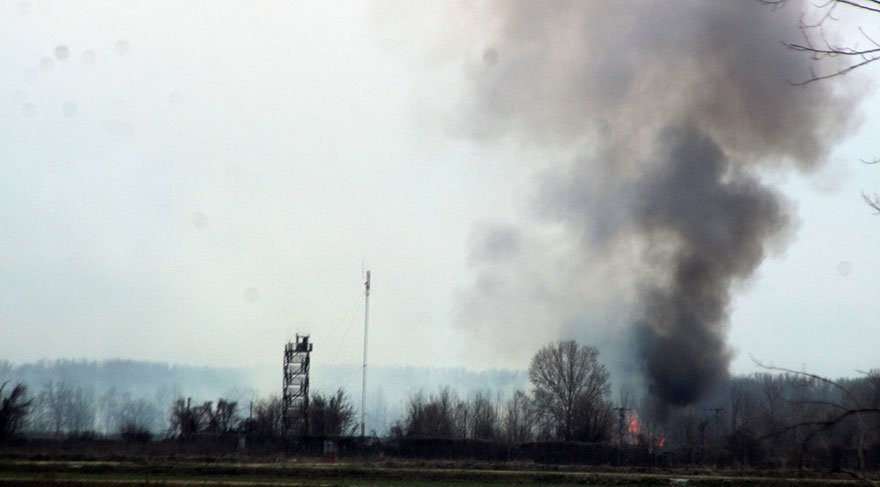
<point>634,426</point>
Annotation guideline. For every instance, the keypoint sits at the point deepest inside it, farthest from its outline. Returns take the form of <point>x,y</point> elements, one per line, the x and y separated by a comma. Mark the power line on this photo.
<point>348,314</point>
<point>345,335</point>
<point>412,333</point>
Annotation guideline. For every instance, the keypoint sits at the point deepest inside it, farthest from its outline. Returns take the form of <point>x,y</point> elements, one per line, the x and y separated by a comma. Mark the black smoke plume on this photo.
<point>714,222</point>
<point>657,120</point>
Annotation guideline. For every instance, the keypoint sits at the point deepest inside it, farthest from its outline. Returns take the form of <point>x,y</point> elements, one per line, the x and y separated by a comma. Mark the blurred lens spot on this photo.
<point>844,268</point>
<point>89,57</point>
<point>490,57</point>
<point>29,110</point>
<point>62,52</point>
<point>19,97</point>
<point>199,220</point>
<point>70,109</point>
<point>111,127</point>
<point>24,7</point>
<point>31,75</point>
<point>251,295</point>
<point>117,128</point>
<point>122,47</point>
<point>126,129</point>
<point>119,107</point>
<point>176,99</point>
<point>47,64</point>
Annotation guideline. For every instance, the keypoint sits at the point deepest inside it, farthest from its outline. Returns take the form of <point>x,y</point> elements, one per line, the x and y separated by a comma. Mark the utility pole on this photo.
<point>718,412</point>
<point>621,433</point>
<point>364,384</point>
<point>621,423</point>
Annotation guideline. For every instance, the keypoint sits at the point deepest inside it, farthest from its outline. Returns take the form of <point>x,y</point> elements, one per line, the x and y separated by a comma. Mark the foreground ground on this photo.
<point>298,473</point>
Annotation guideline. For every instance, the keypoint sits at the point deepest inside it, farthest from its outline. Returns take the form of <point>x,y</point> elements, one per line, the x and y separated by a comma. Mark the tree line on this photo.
<point>62,410</point>
<point>774,418</point>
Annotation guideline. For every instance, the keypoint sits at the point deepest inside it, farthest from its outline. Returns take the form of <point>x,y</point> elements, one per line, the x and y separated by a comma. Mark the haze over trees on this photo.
<point>144,391</point>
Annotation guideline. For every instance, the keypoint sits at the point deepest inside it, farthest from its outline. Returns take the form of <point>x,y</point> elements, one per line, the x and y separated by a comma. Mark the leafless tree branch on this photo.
<point>815,427</point>
<point>873,201</point>
<point>809,375</point>
<point>818,47</point>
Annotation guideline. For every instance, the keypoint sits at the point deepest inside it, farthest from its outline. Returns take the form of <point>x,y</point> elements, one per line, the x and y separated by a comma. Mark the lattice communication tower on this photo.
<point>295,392</point>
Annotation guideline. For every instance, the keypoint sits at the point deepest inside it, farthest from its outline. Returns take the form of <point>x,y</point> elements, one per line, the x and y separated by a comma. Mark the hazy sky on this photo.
<point>196,182</point>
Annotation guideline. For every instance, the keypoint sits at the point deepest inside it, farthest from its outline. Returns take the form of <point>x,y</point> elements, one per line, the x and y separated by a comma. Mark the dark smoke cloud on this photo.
<point>716,226</point>
<point>664,114</point>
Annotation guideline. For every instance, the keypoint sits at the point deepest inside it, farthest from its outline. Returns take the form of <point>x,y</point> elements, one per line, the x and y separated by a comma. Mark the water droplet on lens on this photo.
<point>47,64</point>
<point>490,56</point>
<point>62,52</point>
<point>24,7</point>
<point>126,129</point>
<point>122,47</point>
<point>31,75</point>
<point>251,295</point>
<point>119,107</point>
<point>844,268</point>
<point>199,220</point>
<point>19,97</point>
<point>70,109</point>
<point>89,57</point>
<point>176,99</point>
<point>29,110</point>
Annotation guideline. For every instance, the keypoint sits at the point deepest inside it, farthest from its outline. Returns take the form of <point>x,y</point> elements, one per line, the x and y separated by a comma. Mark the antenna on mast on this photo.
<point>366,327</point>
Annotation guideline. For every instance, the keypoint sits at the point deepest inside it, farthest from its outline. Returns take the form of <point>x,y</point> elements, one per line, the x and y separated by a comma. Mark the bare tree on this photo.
<point>65,409</point>
<point>431,417</point>
<point>223,418</point>
<point>107,408</point>
<point>13,410</point>
<point>518,419</point>
<point>742,441</point>
<point>52,400</point>
<point>138,416</point>
<point>332,415</point>
<point>186,421</point>
<point>266,421</point>
<point>484,417</point>
<point>571,387</point>
<point>81,410</point>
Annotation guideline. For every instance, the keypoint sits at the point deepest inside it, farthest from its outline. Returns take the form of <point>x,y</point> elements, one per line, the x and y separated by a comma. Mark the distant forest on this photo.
<point>110,392</point>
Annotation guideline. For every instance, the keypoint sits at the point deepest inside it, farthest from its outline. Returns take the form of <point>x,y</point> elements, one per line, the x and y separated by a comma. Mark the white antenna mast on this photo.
<point>366,327</point>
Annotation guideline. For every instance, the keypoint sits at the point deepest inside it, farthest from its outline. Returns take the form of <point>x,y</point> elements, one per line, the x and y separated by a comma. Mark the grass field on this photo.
<point>289,473</point>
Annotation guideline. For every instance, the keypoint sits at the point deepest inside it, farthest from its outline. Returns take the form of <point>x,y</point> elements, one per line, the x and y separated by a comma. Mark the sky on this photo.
<point>197,182</point>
